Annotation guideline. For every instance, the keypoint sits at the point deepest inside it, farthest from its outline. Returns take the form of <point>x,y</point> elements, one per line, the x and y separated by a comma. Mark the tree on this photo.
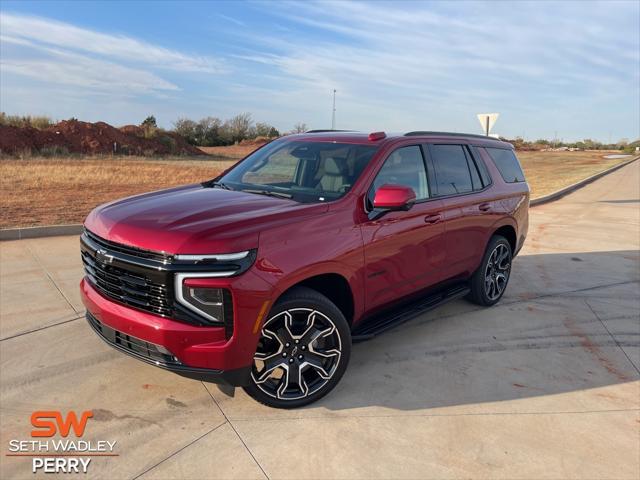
<point>262,129</point>
<point>187,129</point>
<point>265,130</point>
<point>273,133</point>
<point>299,127</point>
<point>208,131</point>
<point>150,121</point>
<point>238,127</point>
<point>149,127</point>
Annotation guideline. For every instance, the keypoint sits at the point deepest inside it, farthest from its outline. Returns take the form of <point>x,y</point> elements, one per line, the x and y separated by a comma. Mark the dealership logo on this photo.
<point>66,455</point>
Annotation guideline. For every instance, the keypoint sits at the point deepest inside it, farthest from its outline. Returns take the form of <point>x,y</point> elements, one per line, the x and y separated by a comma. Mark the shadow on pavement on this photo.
<point>569,322</point>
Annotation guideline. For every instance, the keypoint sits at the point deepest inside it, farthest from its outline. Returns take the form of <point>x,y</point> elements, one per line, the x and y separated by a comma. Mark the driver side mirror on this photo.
<point>391,198</point>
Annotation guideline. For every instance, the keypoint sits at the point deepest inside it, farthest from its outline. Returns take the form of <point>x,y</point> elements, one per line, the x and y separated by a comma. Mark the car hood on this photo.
<point>194,219</point>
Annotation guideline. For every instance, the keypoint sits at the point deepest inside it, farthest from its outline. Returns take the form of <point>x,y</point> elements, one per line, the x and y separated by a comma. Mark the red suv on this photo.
<point>265,275</point>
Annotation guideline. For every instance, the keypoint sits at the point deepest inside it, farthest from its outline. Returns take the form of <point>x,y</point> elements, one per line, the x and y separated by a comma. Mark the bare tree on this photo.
<point>266,130</point>
<point>299,127</point>
<point>186,128</point>
<point>208,131</point>
<point>239,126</point>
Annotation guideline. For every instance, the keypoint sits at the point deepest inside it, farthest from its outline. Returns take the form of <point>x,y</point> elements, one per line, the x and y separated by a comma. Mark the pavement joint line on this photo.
<point>37,258</point>
<point>612,337</point>
<point>235,431</point>
<point>421,415</point>
<point>179,450</point>
<point>78,317</point>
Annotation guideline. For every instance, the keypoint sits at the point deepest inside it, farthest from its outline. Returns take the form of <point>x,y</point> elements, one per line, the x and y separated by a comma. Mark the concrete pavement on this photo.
<point>544,385</point>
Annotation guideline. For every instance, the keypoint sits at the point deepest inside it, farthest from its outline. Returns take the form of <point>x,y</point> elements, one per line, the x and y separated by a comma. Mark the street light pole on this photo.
<point>333,113</point>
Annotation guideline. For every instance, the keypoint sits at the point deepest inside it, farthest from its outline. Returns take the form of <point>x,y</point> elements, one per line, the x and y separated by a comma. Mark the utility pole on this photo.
<point>333,113</point>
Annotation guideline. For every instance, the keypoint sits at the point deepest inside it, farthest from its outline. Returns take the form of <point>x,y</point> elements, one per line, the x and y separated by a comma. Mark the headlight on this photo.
<point>207,301</point>
<point>211,303</point>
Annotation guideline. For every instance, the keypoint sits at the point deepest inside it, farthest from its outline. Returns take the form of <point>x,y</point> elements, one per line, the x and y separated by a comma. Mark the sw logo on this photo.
<point>61,455</point>
<point>48,428</point>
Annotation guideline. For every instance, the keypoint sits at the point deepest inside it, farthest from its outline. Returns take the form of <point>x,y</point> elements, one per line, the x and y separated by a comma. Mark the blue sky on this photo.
<point>566,67</point>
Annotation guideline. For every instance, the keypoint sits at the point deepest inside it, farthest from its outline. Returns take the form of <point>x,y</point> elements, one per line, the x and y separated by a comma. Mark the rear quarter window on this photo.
<point>507,164</point>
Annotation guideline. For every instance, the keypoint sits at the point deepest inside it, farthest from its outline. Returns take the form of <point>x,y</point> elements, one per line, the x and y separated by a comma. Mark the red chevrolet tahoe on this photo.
<point>264,276</point>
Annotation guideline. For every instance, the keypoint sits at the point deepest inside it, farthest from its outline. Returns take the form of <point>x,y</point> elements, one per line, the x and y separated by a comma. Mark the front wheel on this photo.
<point>302,353</point>
<point>490,281</point>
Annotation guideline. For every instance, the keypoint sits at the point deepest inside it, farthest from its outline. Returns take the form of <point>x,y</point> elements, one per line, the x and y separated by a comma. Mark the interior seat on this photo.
<point>334,178</point>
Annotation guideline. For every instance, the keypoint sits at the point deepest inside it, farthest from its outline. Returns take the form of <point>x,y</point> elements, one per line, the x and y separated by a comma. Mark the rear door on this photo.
<point>462,185</point>
<point>404,251</point>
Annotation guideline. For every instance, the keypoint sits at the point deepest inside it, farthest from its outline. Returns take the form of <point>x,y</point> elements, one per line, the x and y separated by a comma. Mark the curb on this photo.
<point>571,188</point>
<point>37,232</point>
<point>76,229</point>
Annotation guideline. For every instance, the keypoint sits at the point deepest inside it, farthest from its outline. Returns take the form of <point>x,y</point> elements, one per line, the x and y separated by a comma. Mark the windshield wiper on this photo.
<point>220,185</point>
<point>269,193</point>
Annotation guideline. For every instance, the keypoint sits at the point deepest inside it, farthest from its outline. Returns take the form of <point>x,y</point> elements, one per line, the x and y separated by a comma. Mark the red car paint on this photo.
<point>379,261</point>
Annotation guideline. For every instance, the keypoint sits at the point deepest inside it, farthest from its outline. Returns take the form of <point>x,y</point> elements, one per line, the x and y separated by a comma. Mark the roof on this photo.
<point>352,136</point>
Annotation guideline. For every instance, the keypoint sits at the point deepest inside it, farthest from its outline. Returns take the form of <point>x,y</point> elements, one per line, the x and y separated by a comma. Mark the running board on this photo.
<point>386,321</point>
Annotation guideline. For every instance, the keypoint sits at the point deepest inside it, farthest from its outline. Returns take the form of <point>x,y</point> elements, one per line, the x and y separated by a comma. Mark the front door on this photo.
<point>404,251</point>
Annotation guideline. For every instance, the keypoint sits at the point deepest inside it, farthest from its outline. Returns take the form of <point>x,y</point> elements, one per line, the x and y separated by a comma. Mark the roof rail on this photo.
<point>449,134</point>
<point>328,131</point>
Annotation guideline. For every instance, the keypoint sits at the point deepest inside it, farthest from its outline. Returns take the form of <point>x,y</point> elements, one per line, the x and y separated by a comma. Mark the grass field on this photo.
<point>46,191</point>
<point>231,152</point>
<point>547,172</point>
<point>49,191</point>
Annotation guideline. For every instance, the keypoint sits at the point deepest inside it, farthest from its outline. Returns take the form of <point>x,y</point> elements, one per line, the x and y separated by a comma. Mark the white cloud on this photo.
<point>402,64</point>
<point>68,68</point>
<point>116,47</point>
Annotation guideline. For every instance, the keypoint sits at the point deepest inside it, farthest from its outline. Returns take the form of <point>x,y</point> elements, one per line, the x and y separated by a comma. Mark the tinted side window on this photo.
<point>475,176</point>
<point>451,169</point>
<point>482,168</point>
<point>404,166</point>
<point>507,164</point>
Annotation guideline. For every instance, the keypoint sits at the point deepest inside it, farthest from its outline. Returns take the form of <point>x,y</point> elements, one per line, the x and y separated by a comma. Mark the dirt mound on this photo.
<point>73,136</point>
<point>133,130</point>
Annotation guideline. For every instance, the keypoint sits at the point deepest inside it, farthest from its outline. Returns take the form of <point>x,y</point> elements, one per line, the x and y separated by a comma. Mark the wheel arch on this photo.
<point>332,285</point>
<point>508,232</point>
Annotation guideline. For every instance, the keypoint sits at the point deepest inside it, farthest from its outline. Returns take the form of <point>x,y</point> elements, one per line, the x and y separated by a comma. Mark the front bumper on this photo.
<point>158,356</point>
<point>193,351</point>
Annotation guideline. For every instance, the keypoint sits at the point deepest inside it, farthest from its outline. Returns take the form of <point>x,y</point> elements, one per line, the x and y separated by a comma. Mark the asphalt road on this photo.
<point>544,385</point>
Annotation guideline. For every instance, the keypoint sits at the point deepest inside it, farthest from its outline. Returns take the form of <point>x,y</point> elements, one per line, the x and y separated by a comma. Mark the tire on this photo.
<point>490,280</point>
<point>306,334</point>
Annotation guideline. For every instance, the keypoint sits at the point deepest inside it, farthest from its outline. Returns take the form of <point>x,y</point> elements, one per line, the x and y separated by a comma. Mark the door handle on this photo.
<point>484,207</point>
<point>433,218</point>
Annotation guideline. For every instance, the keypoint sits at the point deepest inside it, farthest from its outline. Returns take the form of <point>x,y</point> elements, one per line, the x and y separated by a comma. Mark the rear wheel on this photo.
<point>489,282</point>
<point>302,353</point>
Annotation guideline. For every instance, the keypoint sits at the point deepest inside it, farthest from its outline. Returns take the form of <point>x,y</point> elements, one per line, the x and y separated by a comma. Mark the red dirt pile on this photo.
<point>73,136</point>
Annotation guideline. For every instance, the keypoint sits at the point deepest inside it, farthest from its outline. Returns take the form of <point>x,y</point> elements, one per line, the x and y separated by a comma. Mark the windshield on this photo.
<point>304,171</point>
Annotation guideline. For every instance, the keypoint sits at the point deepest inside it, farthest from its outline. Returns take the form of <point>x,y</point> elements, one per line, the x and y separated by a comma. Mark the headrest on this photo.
<point>332,167</point>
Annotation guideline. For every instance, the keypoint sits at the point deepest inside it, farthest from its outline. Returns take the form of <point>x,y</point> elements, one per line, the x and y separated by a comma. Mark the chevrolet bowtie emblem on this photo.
<point>103,257</point>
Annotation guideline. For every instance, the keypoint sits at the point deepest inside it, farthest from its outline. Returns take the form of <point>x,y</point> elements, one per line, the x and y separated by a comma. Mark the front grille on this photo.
<point>143,279</point>
<point>130,288</point>
<point>132,345</point>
